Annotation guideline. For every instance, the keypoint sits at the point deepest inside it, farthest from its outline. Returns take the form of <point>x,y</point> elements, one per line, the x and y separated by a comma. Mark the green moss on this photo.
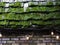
<point>33,9</point>
<point>37,16</point>
<point>31,3</point>
<point>12,23</point>
<point>11,4</point>
<point>46,22</point>
<point>58,3</point>
<point>3,22</point>
<point>23,23</point>
<point>57,22</point>
<point>53,8</point>
<point>49,23</point>
<point>16,10</point>
<point>38,22</point>
<point>2,16</point>
<point>43,9</point>
<point>2,9</point>
<point>12,10</point>
<point>2,3</point>
<point>12,26</point>
<point>52,15</point>
<point>10,16</point>
<point>37,9</point>
<point>27,16</point>
<point>17,17</point>
<point>49,3</point>
<point>15,4</point>
<point>57,15</point>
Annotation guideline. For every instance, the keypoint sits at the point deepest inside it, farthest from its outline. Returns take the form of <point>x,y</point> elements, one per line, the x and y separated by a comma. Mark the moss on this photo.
<point>2,3</point>
<point>10,16</point>
<point>18,10</point>
<point>57,2</point>
<point>2,9</point>
<point>3,22</point>
<point>49,3</point>
<point>33,9</point>
<point>15,4</point>
<point>11,4</point>
<point>43,9</point>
